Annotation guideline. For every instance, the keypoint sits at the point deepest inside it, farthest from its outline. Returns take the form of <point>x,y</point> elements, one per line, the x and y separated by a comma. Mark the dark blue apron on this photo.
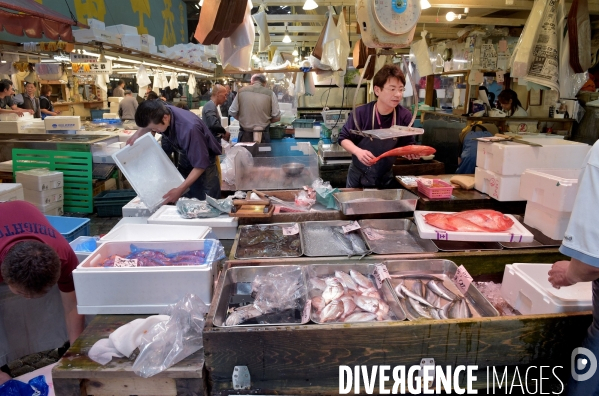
<point>379,175</point>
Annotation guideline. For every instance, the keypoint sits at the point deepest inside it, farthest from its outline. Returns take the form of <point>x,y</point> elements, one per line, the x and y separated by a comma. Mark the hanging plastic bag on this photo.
<point>173,83</point>
<point>309,85</point>
<point>236,50</point>
<point>227,166</point>
<point>299,84</point>
<point>167,343</point>
<point>191,84</point>
<point>262,27</point>
<point>330,43</point>
<point>422,57</point>
<point>142,77</point>
<point>344,47</point>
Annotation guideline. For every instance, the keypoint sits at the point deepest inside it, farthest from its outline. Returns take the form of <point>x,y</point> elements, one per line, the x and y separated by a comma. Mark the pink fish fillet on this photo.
<point>482,220</point>
<point>406,150</point>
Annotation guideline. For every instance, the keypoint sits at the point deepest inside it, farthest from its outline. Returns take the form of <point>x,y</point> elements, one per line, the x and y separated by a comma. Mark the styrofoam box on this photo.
<point>53,208</point>
<point>148,169</point>
<point>526,288</point>
<point>150,39</point>
<point>550,222</point>
<point>517,233</point>
<point>104,36</point>
<point>115,99</point>
<point>6,166</point>
<point>136,208</point>
<point>156,232</point>
<point>43,197</point>
<point>132,41</point>
<point>306,133</point>
<point>153,49</point>
<point>224,227</point>
<point>81,255</point>
<point>140,290</point>
<point>96,24</point>
<point>70,123</point>
<point>40,179</point>
<point>11,192</point>
<point>122,29</point>
<point>510,159</point>
<point>16,117</point>
<point>14,126</point>
<point>502,188</point>
<point>553,188</point>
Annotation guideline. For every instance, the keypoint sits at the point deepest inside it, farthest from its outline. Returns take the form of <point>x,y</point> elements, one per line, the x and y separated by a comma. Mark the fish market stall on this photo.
<point>303,358</point>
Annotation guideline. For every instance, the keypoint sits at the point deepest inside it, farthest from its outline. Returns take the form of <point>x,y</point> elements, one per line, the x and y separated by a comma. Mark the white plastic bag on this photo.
<point>142,77</point>
<point>227,166</point>
<point>262,27</point>
<point>309,85</point>
<point>299,84</point>
<point>422,57</point>
<point>330,44</point>
<point>236,50</point>
<point>173,83</point>
<point>191,84</point>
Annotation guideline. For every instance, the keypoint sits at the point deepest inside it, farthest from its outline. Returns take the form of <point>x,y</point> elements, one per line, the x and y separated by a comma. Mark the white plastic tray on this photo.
<point>158,175</point>
<point>156,232</point>
<point>518,233</point>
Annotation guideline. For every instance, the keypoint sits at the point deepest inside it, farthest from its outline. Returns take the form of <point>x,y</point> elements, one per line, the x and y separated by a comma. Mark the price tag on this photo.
<point>380,274</point>
<point>462,279</point>
<point>306,311</point>
<point>123,262</point>
<point>291,230</point>
<point>427,368</point>
<point>499,76</point>
<point>352,226</point>
<point>371,234</point>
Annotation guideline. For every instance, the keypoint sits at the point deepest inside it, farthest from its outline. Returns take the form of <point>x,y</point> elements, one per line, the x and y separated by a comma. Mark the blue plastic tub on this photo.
<point>70,227</point>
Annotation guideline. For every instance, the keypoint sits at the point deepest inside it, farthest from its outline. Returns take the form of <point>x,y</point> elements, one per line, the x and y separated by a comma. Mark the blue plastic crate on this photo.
<point>70,227</point>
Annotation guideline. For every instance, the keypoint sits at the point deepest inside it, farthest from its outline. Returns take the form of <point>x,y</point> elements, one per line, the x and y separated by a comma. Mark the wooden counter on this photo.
<point>76,374</point>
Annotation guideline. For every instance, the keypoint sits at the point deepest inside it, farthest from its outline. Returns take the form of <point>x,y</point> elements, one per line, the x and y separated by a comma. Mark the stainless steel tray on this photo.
<point>461,246</point>
<point>276,251</point>
<point>397,236</point>
<point>541,240</point>
<point>325,270</point>
<point>237,286</point>
<point>318,239</point>
<point>376,201</point>
<point>444,270</point>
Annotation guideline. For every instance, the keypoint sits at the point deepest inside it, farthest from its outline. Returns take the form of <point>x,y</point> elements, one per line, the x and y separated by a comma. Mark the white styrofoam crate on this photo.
<point>82,254</point>
<point>102,35</point>
<point>502,188</point>
<point>306,133</point>
<point>553,188</point>
<point>16,117</point>
<point>43,197</point>
<point>552,223</point>
<point>509,159</point>
<point>19,126</point>
<point>6,166</point>
<point>52,209</point>
<point>518,233</point>
<point>526,288</point>
<point>40,179</point>
<point>122,29</point>
<point>142,290</point>
<point>156,232</point>
<point>136,208</point>
<point>11,192</point>
<point>150,39</point>
<point>62,123</point>
<point>223,227</point>
<point>132,41</point>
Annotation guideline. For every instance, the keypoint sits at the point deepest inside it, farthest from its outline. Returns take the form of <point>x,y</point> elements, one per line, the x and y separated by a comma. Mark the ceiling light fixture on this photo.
<point>310,5</point>
<point>451,16</point>
<point>294,53</point>
<point>424,4</point>
<point>286,39</point>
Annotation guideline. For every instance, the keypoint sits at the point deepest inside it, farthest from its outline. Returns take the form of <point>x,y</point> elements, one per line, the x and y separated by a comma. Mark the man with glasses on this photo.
<point>7,105</point>
<point>386,111</point>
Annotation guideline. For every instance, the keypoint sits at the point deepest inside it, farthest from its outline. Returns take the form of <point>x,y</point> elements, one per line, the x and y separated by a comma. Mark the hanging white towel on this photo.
<point>173,83</point>
<point>142,76</point>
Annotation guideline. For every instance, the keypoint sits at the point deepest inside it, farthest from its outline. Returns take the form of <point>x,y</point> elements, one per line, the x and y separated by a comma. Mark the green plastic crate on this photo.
<point>75,166</point>
<point>303,123</point>
<point>277,132</point>
<point>110,203</point>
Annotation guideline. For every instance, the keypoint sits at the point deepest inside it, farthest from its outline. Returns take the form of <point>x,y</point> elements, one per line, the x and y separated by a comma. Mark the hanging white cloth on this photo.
<point>299,84</point>
<point>262,27</point>
<point>330,43</point>
<point>173,83</point>
<point>142,76</point>
<point>191,84</point>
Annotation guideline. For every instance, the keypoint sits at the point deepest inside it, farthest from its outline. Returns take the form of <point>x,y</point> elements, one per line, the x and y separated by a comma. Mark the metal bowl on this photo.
<point>293,168</point>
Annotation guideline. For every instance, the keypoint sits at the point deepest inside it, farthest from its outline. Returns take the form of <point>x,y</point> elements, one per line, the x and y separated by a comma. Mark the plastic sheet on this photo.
<point>523,53</point>
<point>262,26</point>
<point>167,343</point>
<point>279,290</point>
<point>191,208</point>
<point>227,166</point>
<point>422,57</point>
<point>300,89</point>
<point>324,193</point>
<point>492,291</point>
<point>309,85</point>
<point>331,43</point>
<point>142,77</point>
<point>236,50</point>
<point>570,82</point>
<point>173,83</point>
<point>35,387</point>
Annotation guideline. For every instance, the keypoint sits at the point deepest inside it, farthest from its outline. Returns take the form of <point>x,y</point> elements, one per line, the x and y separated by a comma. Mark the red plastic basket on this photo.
<point>436,192</point>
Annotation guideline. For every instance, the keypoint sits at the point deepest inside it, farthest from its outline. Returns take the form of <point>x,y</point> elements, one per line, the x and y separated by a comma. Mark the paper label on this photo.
<point>462,279</point>
<point>380,274</point>
<point>123,262</point>
<point>306,311</point>
<point>499,76</point>
<point>427,366</point>
<point>263,148</point>
<point>352,226</point>
<point>371,234</point>
<point>291,230</point>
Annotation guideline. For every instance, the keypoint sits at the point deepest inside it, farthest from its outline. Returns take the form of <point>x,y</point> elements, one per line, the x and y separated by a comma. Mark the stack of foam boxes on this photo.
<point>44,189</point>
<point>11,192</point>
<point>550,194</point>
<point>499,166</point>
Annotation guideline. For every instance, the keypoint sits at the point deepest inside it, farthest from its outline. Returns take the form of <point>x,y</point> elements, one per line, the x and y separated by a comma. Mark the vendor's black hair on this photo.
<point>387,72</point>
<point>152,95</point>
<point>150,111</point>
<point>5,84</point>
<point>506,95</point>
<point>31,266</point>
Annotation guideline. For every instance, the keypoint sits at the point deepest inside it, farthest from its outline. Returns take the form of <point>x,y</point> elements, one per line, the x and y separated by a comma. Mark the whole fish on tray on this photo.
<point>406,150</point>
<point>481,220</point>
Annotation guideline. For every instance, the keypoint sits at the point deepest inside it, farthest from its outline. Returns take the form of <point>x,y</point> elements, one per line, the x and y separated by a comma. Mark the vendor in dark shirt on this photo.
<point>386,111</point>
<point>198,149</point>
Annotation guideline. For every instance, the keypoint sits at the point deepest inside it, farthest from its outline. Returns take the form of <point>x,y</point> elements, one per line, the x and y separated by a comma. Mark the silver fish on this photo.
<point>346,280</point>
<point>318,303</point>
<point>435,313</point>
<point>443,313</point>
<point>343,240</point>
<point>368,304</point>
<point>332,311</point>
<point>381,314</point>
<point>333,291</point>
<point>348,306</point>
<point>360,317</point>
<point>432,298</point>
<point>465,310</point>
<point>439,289</point>
<point>398,290</point>
<point>453,311</point>
<point>371,292</point>
<point>360,279</point>
<point>242,314</point>
<point>414,296</point>
<point>357,244</point>
<point>419,309</point>
<point>418,288</point>
<point>317,283</point>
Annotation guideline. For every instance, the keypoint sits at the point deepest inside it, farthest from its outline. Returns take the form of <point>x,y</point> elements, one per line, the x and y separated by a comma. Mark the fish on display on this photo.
<point>348,306</point>
<point>481,220</point>
<point>439,289</point>
<point>418,288</point>
<point>333,291</point>
<point>432,298</point>
<point>360,279</point>
<point>419,308</point>
<point>318,283</point>
<point>360,317</point>
<point>332,311</point>
<point>368,304</point>
<point>318,303</point>
<point>358,245</point>
<point>345,243</point>
<point>346,280</point>
<point>414,296</point>
<point>242,314</point>
<point>406,150</point>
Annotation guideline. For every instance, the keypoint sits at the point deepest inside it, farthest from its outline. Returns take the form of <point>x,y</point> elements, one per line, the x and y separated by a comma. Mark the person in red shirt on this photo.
<point>34,257</point>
